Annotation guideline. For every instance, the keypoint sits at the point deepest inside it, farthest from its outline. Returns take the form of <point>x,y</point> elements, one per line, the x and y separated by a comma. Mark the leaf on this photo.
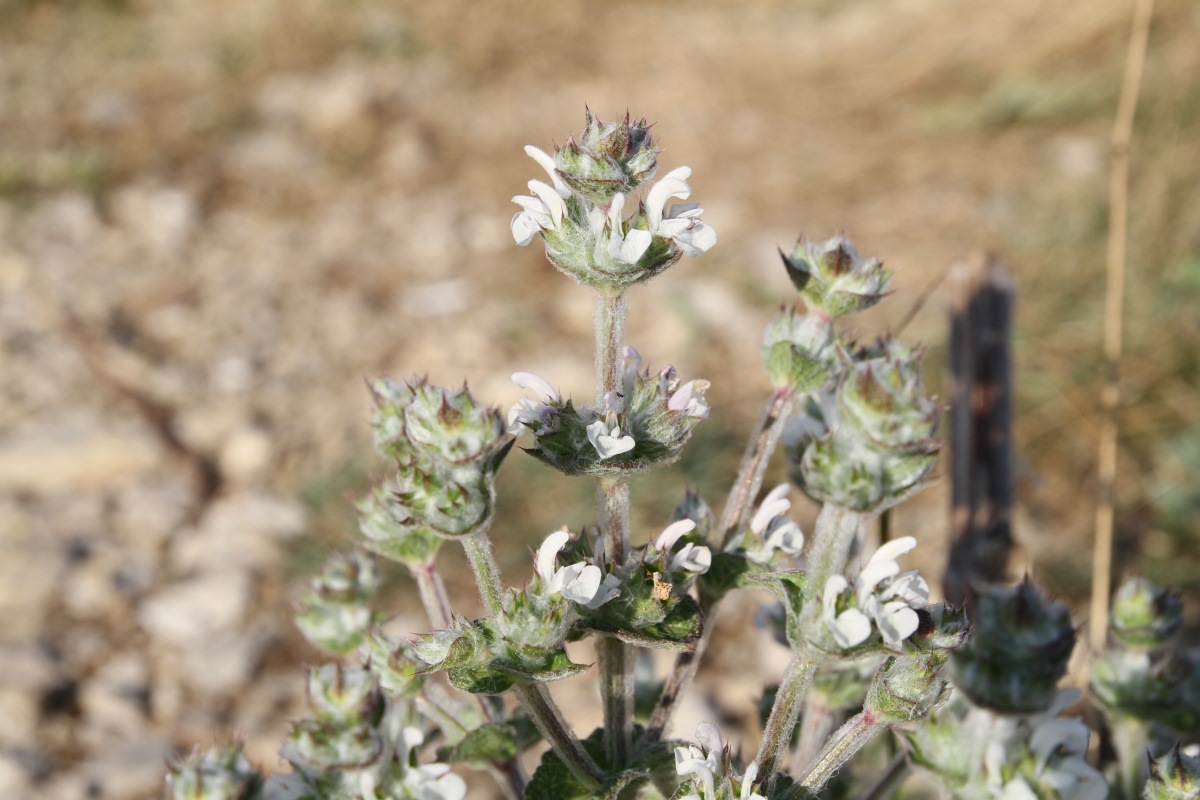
<point>553,781</point>
<point>480,680</point>
<point>552,667</point>
<point>788,586</point>
<point>488,744</point>
<point>728,571</point>
<point>678,631</point>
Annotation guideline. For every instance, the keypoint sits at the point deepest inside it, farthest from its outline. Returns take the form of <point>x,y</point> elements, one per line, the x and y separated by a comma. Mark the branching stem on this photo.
<point>777,735</point>
<point>842,746</point>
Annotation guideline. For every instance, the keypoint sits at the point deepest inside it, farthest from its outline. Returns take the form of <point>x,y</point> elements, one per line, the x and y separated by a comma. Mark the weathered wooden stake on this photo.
<point>980,428</point>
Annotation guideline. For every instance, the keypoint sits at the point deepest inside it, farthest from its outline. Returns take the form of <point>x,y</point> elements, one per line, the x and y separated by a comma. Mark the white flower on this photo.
<point>778,532</point>
<point>691,557</point>
<point>627,247</point>
<point>608,441</point>
<point>891,597</point>
<point>527,412</point>
<point>691,760</point>
<point>851,627</point>
<point>682,223</point>
<point>689,401</point>
<point>545,209</point>
<point>429,781</point>
<point>581,582</point>
<point>748,783</point>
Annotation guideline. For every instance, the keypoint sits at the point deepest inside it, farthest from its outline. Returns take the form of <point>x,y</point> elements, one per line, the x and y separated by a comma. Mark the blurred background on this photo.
<point>217,218</point>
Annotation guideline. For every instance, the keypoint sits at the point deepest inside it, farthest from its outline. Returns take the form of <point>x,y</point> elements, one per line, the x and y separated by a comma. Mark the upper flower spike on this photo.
<point>580,214</point>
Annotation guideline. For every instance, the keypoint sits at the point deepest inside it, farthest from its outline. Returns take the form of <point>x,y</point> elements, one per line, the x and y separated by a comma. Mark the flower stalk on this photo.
<point>777,734</point>
<point>842,746</point>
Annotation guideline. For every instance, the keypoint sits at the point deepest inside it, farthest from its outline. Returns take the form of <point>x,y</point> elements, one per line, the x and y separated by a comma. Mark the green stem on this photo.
<point>612,505</point>
<point>816,723</point>
<point>750,473</point>
<point>613,657</point>
<point>834,535</point>
<point>1130,738</point>
<point>544,712</point>
<point>487,575</point>
<point>432,590</point>
<point>845,742</point>
<point>777,734</point>
<point>535,698</point>
<point>734,515</point>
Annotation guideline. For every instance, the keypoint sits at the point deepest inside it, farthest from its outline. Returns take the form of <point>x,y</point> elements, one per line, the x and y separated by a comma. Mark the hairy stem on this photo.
<point>508,774</point>
<point>535,698</point>
<point>614,658</point>
<point>754,465</point>
<point>544,712</point>
<point>816,723</point>
<point>836,531</point>
<point>487,574</point>
<point>777,735</point>
<point>432,590</point>
<point>1130,737</point>
<point>612,506</point>
<point>733,518</point>
<point>845,742</point>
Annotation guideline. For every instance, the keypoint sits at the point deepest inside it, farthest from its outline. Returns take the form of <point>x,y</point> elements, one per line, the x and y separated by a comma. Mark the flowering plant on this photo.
<point>868,645</point>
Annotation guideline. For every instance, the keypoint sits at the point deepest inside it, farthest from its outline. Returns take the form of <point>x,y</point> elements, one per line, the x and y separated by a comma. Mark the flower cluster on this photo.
<point>833,278</point>
<point>707,772</point>
<point>581,582</point>
<point>871,443</point>
<point>881,598</point>
<point>777,532</point>
<point>643,425</point>
<point>580,213</point>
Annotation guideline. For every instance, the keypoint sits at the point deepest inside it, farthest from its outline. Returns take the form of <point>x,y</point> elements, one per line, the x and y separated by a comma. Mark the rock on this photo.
<point>127,769</point>
<point>27,665</point>
<point>115,700</point>
<point>14,777</point>
<point>19,709</point>
<point>198,610</point>
<point>243,529</point>
<point>223,663</point>
<point>149,511</point>
<point>245,455</point>
<point>76,454</point>
<point>161,218</point>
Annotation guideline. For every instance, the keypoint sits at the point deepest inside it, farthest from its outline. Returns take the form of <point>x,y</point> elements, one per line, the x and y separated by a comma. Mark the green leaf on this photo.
<point>480,680</point>
<point>553,781</point>
<point>728,571</point>
<point>551,666</point>
<point>788,586</point>
<point>485,745</point>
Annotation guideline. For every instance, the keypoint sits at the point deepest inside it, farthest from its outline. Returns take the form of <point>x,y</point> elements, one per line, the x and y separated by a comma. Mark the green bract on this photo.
<point>833,279</point>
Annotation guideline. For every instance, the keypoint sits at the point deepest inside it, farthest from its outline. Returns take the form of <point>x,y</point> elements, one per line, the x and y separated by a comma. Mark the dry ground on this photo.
<point>217,217</point>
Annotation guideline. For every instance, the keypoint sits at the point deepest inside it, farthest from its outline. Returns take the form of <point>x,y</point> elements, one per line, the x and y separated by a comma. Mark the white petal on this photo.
<point>893,549</point>
<point>1018,789</point>
<point>787,537</point>
<point>769,510</point>
<point>536,209</point>
<point>547,163</point>
<point>673,184</point>
<point>536,384</point>
<point>610,587</point>
<point>1068,734</point>
<point>692,558</point>
<point>697,239</point>
<point>873,573</point>
<point>582,583</point>
<point>524,228</point>
<point>670,535</point>
<point>546,554</point>
<point>851,628</point>
<point>554,204</point>
<point>897,622</point>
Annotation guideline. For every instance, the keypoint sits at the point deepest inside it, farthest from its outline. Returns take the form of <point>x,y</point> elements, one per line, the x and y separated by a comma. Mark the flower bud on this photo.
<point>833,279</point>
<point>799,351</point>
<point>343,695</point>
<point>453,427</point>
<point>1018,650</point>
<point>382,532</point>
<point>693,507</point>
<point>610,158</point>
<point>394,665</point>
<point>1161,686</point>
<point>220,773</point>
<point>334,614</point>
<point>1145,616</point>
<point>908,687</point>
<point>387,421</point>
<point>873,445</point>
<point>1174,776</point>
<point>883,396</point>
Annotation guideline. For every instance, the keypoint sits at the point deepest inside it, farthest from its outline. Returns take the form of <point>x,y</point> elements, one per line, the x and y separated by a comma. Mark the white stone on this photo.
<point>245,455</point>
<point>198,610</point>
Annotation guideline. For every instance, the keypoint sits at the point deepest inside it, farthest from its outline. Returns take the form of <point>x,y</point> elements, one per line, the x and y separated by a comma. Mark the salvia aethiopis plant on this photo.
<point>401,716</point>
